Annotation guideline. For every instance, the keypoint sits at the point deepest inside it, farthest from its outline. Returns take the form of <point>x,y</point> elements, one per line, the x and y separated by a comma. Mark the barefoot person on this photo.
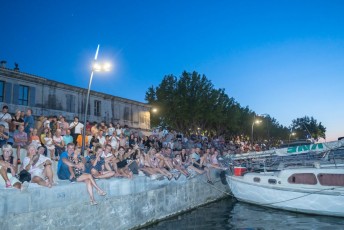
<point>8,169</point>
<point>39,166</point>
<point>71,167</point>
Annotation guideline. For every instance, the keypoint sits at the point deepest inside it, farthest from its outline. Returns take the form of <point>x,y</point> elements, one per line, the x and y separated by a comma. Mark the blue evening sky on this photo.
<point>283,58</point>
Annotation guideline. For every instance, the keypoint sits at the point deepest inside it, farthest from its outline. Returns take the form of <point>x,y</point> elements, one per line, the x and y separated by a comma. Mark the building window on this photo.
<point>126,114</point>
<point>303,178</point>
<point>70,103</point>
<point>2,84</point>
<point>23,98</point>
<point>97,108</point>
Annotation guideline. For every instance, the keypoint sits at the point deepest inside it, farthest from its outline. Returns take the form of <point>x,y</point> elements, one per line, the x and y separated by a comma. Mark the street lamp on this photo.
<point>254,122</point>
<point>267,119</point>
<point>96,67</point>
<point>291,134</point>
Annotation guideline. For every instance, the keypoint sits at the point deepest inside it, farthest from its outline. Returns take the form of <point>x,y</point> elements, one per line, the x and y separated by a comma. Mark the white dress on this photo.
<point>49,143</point>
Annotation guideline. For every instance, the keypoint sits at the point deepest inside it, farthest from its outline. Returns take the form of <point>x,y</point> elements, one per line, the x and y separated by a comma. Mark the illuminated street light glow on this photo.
<point>96,67</point>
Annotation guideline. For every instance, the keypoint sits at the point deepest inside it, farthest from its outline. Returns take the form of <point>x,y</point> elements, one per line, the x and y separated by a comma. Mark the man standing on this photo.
<point>75,129</point>
<point>29,122</point>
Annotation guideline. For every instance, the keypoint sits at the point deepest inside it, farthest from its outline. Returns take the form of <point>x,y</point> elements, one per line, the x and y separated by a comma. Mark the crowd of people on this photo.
<point>110,151</point>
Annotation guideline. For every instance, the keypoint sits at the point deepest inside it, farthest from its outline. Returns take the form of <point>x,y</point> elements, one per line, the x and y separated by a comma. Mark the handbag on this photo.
<point>24,176</point>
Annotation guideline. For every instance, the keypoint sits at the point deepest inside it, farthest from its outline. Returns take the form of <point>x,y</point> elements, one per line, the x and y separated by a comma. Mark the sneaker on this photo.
<point>210,182</point>
<point>24,186</point>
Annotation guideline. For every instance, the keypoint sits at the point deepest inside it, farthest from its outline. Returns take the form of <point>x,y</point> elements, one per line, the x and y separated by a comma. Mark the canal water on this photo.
<point>230,214</point>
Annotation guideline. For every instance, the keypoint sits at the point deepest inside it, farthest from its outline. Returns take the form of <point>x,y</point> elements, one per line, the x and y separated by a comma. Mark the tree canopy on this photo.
<point>191,104</point>
<point>308,127</point>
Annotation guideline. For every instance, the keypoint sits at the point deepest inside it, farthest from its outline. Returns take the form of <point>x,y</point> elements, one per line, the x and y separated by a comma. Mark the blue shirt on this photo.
<point>67,139</point>
<point>28,123</point>
<point>60,163</point>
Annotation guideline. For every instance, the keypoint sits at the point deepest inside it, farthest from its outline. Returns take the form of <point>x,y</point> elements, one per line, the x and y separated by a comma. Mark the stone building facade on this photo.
<point>46,97</point>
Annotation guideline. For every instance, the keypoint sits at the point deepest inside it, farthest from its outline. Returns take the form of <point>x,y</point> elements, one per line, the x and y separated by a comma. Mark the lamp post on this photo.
<point>267,119</point>
<point>254,122</point>
<point>96,67</point>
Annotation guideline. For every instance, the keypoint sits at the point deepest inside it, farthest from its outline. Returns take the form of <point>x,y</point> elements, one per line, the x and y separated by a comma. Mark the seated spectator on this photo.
<point>98,169</point>
<point>35,139</point>
<point>155,164</point>
<point>110,160</point>
<point>67,138</point>
<point>122,140</point>
<point>58,143</point>
<point>197,164</point>
<point>123,162</point>
<point>79,139</point>
<point>62,125</point>
<point>114,141</point>
<point>3,135</point>
<point>48,140</point>
<point>39,166</point>
<point>110,129</point>
<point>16,121</point>
<point>72,165</point>
<point>178,164</point>
<point>8,169</point>
<point>20,141</point>
<point>100,137</point>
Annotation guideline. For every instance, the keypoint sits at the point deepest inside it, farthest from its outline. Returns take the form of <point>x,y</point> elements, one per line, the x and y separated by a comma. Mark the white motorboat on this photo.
<point>314,190</point>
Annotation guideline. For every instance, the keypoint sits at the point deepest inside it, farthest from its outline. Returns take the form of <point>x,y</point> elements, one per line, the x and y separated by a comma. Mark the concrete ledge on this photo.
<point>128,204</point>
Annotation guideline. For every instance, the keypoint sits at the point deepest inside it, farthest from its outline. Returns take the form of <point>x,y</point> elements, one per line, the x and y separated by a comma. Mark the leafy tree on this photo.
<point>191,104</point>
<point>307,127</point>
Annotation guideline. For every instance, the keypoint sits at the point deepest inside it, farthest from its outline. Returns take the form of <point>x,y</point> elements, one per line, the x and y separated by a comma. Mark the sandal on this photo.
<point>101,193</point>
<point>18,161</point>
<point>210,182</point>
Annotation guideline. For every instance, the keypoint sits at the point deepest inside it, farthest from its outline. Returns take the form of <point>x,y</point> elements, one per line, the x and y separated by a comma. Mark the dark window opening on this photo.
<point>2,84</point>
<point>256,179</point>
<point>97,108</point>
<point>23,98</point>
<point>272,181</point>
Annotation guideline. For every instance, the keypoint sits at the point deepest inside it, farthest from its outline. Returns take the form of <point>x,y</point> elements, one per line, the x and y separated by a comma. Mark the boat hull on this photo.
<point>325,201</point>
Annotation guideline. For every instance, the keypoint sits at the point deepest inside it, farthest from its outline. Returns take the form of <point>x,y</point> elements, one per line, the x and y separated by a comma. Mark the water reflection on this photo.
<point>228,214</point>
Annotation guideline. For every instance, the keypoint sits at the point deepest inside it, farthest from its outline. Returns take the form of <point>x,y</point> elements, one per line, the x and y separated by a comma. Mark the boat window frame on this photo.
<point>256,179</point>
<point>302,179</point>
<point>338,179</point>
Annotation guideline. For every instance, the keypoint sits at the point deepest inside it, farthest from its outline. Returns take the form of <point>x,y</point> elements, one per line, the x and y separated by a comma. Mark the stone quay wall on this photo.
<point>128,204</point>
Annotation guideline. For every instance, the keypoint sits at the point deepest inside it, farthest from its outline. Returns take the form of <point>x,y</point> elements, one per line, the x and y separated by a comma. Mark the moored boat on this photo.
<point>315,190</point>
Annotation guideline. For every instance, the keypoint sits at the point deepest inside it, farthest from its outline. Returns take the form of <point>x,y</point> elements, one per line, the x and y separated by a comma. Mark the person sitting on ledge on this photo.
<point>72,165</point>
<point>39,166</point>
<point>99,169</point>
<point>8,169</point>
